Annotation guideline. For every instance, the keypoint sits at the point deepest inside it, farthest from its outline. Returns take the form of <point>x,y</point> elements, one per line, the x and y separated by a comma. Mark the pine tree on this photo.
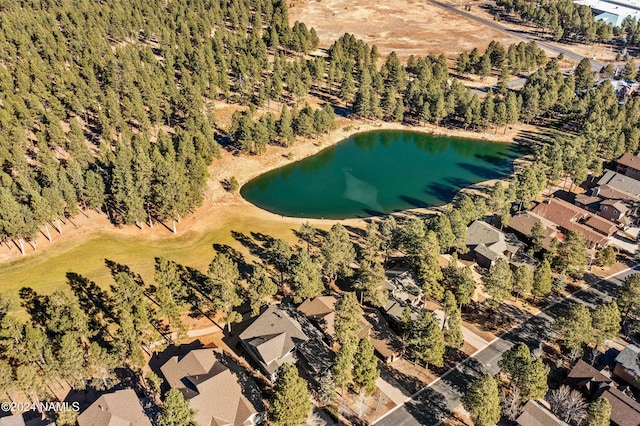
<point>542,280</point>
<point>482,401</point>
<point>343,365</point>
<point>175,410</point>
<point>371,283</point>
<point>260,287</point>
<point>453,322</point>
<point>348,314</point>
<point>338,253</point>
<point>606,321</point>
<point>629,296</point>
<point>575,326</point>
<point>365,368</point>
<point>498,282</point>
<point>291,401</point>
<point>572,256</point>
<point>426,341</point>
<point>523,281</point>
<point>599,413</point>
<point>223,279</point>
<point>306,278</point>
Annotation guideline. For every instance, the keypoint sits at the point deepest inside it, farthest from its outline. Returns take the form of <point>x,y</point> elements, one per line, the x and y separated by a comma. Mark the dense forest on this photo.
<point>110,106</point>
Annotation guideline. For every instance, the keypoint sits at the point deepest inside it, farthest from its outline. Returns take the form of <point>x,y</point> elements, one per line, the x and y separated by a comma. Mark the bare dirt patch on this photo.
<point>409,27</point>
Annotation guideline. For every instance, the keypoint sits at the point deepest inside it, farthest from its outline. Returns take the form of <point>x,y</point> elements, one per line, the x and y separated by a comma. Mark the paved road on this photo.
<point>595,66</point>
<point>434,403</point>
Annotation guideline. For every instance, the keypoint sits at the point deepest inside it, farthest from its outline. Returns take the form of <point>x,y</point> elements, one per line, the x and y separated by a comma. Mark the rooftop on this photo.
<point>624,410</point>
<point>321,310</point>
<point>629,160</point>
<point>534,414</point>
<point>272,338</point>
<point>601,224</point>
<point>121,408</point>
<point>628,358</point>
<point>220,395</point>
<point>620,183</point>
<point>490,242</point>
<point>524,222</point>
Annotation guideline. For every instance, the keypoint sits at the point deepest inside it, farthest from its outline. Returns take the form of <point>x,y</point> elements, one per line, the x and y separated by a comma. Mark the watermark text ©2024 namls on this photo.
<point>21,407</point>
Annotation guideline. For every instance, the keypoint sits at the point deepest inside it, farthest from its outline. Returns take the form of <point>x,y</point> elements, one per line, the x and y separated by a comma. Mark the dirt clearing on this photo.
<point>409,27</point>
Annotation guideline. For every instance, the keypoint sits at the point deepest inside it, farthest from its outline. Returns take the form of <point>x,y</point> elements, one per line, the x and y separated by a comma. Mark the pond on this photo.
<point>379,172</point>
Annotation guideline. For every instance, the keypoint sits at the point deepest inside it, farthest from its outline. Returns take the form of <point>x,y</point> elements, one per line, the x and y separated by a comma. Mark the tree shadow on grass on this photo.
<point>35,304</point>
<point>94,301</point>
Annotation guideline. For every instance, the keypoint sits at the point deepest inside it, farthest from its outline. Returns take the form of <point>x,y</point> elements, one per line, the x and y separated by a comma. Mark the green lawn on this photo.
<point>46,271</point>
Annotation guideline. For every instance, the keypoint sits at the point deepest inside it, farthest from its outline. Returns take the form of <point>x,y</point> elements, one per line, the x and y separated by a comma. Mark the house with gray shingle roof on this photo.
<point>281,335</point>
<point>218,390</point>
<point>488,244</point>
<point>627,365</point>
<point>272,339</point>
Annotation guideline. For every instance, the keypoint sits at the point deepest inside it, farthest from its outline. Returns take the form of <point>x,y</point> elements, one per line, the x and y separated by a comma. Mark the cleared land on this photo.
<point>409,27</point>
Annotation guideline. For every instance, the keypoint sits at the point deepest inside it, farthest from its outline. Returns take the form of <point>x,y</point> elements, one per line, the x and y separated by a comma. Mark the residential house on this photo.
<point>523,222</point>
<point>587,379</point>
<point>613,185</point>
<point>321,311</point>
<point>216,388</point>
<point>602,225</point>
<point>625,411</point>
<point>627,367</point>
<point>535,414</point>
<point>121,407</point>
<point>629,165</point>
<point>568,217</point>
<point>282,334</point>
<point>615,211</point>
<point>404,292</point>
<point>488,244</point>
<point>590,203</point>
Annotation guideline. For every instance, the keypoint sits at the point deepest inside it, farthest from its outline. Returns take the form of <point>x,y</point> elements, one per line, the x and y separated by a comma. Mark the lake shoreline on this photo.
<point>220,208</point>
<point>385,171</point>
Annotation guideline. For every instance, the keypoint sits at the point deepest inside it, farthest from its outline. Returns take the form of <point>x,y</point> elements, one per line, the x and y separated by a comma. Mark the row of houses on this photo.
<point>609,208</point>
<point>594,384</point>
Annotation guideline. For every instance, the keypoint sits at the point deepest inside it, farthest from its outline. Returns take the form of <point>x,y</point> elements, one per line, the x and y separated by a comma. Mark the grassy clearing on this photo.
<point>46,272</point>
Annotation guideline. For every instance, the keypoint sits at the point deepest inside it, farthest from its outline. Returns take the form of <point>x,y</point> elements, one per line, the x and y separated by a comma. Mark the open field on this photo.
<point>83,250</point>
<point>410,27</point>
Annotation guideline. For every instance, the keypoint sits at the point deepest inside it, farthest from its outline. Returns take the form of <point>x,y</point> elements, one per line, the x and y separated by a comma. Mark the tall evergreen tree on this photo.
<point>291,401</point>
<point>365,368</point>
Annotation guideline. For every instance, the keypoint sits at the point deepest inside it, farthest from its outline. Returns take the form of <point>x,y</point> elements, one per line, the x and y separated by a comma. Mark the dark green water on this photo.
<point>379,172</point>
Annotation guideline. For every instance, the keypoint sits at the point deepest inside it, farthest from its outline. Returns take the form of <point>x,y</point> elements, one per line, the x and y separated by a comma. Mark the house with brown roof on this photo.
<point>272,338</point>
<point>615,211</point>
<point>522,224</point>
<point>385,341</point>
<point>569,217</point>
<point>121,407</point>
<point>625,411</point>
<point>602,225</point>
<point>586,379</point>
<point>216,388</point>
<point>321,311</point>
<point>535,414</point>
<point>629,165</point>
